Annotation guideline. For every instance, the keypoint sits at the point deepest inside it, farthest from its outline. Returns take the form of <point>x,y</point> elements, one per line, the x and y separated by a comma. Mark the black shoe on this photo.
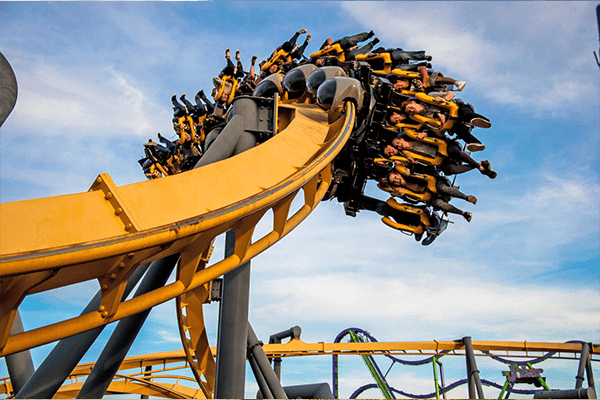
<point>375,41</point>
<point>492,174</point>
<point>429,65</point>
<point>468,216</point>
<point>370,35</point>
<point>428,58</point>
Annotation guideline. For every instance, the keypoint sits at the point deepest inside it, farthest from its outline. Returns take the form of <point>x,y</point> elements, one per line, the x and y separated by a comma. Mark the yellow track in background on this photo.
<point>163,381</point>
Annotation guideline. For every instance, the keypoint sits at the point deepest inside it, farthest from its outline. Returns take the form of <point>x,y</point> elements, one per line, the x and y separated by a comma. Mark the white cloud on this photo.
<point>537,217</point>
<point>529,65</point>
<point>167,336</point>
<point>447,305</point>
<point>55,100</point>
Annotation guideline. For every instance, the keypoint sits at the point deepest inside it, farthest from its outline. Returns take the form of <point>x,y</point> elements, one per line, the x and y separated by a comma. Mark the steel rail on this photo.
<point>298,348</point>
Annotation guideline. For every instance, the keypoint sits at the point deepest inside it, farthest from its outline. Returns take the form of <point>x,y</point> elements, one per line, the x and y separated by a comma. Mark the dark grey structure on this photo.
<point>233,326</point>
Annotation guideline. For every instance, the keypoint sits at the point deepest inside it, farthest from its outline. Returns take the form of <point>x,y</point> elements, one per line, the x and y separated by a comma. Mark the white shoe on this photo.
<point>473,147</point>
<point>481,123</point>
<point>460,85</point>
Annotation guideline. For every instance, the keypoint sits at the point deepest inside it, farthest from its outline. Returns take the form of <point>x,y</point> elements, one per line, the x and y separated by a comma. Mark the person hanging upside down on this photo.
<point>467,118</point>
<point>349,46</point>
<point>435,82</point>
<point>398,183</point>
<point>452,165</point>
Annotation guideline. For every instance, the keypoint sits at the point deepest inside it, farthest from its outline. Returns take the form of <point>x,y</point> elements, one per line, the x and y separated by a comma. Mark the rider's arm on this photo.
<point>442,128</point>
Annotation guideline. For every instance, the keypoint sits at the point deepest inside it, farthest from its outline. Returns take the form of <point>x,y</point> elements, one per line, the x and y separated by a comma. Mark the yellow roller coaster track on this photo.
<point>107,232</point>
<point>162,381</point>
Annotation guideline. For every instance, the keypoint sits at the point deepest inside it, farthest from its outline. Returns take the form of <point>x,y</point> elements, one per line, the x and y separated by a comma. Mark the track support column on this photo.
<point>257,354</point>
<point>230,379</point>
<point>474,382</point>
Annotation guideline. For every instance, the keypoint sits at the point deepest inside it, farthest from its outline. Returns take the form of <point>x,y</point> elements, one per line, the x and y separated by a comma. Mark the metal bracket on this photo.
<point>105,184</point>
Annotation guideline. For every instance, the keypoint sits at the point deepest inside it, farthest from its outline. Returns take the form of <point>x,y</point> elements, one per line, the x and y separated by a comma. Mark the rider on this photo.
<point>284,54</point>
<point>395,180</point>
<point>467,118</point>
<point>349,46</point>
<point>436,80</point>
<point>226,82</point>
<point>453,164</point>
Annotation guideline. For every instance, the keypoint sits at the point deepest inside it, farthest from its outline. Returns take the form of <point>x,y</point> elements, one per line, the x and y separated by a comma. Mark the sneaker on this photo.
<point>301,31</point>
<point>472,199</point>
<point>492,174</point>
<point>428,58</point>
<point>254,59</point>
<point>308,38</point>
<point>473,147</point>
<point>481,123</point>
<point>460,85</point>
<point>227,52</point>
<point>237,55</point>
<point>468,216</point>
<point>375,41</point>
<point>487,166</point>
<point>370,34</point>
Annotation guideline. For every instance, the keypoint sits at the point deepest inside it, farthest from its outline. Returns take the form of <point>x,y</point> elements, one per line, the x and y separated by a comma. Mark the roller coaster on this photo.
<point>318,126</point>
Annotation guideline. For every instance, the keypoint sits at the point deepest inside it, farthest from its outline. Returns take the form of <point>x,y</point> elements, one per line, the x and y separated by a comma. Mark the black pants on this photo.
<point>348,42</point>
<point>289,45</point>
<point>351,54</point>
<point>210,108</point>
<point>232,69</point>
<point>400,56</point>
<point>460,129</point>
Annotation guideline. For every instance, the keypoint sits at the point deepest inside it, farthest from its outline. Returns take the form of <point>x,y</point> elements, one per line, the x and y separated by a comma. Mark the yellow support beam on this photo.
<point>106,233</point>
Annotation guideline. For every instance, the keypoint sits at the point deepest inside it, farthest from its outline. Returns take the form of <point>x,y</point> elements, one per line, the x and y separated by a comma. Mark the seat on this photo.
<point>282,57</point>
<point>415,219</point>
<point>335,50</point>
<point>228,84</point>
<point>381,63</point>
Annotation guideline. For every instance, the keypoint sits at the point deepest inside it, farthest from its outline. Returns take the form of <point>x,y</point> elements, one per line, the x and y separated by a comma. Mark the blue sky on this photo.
<point>95,82</point>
